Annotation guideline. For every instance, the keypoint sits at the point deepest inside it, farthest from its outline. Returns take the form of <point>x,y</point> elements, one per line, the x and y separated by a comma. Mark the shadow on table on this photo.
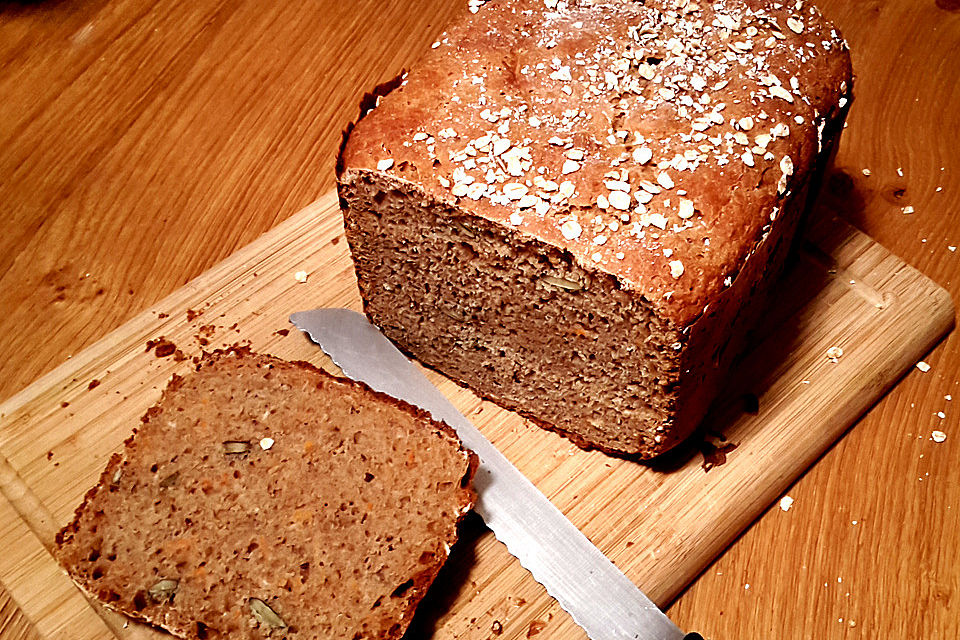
<point>807,271</point>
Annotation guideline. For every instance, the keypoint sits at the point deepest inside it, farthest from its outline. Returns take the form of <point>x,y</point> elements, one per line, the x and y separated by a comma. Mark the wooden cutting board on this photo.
<point>662,524</point>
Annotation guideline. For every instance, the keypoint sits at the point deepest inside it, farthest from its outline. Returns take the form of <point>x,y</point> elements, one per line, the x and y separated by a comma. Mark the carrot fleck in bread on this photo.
<point>262,498</point>
<point>577,207</point>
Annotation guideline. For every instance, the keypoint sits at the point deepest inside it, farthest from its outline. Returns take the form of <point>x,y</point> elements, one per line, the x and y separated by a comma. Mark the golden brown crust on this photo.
<point>722,103</point>
<point>664,148</point>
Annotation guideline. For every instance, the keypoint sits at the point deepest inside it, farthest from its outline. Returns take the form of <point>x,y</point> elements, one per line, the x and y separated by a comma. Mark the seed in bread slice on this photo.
<point>262,498</point>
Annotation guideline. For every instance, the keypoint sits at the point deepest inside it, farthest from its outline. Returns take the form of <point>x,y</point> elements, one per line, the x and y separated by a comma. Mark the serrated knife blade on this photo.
<point>599,597</point>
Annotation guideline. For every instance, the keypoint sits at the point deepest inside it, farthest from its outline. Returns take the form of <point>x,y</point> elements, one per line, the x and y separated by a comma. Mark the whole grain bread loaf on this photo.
<point>262,498</point>
<point>576,207</point>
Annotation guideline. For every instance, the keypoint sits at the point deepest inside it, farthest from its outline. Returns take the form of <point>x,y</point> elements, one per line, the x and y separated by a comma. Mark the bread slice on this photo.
<point>575,208</point>
<point>263,498</point>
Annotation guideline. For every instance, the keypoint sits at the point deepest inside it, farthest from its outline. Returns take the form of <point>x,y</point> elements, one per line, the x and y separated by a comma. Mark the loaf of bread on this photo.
<point>262,498</point>
<point>575,207</point>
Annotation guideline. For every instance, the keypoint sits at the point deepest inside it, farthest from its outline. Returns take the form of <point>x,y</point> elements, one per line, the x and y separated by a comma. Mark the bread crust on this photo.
<point>666,148</point>
<point>92,531</point>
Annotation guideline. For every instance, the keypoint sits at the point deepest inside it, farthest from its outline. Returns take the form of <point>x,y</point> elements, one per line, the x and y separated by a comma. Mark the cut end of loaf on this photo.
<point>262,498</point>
<point>517,320</point>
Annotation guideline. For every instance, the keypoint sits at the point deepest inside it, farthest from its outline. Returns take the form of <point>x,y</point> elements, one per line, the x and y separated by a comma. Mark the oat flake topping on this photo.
<point>609,124</point>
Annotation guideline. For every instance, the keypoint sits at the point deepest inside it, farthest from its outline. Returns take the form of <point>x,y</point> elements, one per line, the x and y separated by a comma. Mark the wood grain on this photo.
<point>13,624</point>
<point>661,524</point>
<point>118,107</point>
<point>875,525</point>
<point>145,141</point>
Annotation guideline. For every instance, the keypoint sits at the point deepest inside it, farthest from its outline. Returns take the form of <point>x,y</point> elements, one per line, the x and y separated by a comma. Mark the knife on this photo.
<point>599,597</point>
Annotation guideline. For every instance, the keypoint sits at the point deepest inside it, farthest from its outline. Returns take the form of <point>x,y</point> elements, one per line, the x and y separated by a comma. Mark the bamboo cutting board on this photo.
<point>661,524</point>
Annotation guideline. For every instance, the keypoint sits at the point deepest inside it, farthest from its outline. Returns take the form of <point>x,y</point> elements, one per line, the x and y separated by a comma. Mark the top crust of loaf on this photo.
<point>655,141</point>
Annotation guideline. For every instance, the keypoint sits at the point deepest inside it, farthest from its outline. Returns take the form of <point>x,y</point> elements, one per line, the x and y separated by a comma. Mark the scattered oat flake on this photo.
<point>866,172</point>
<point>571,229</point>
<point>779,92</point>
<point>563,73</point>
<point>786,165</point>
<point>385,164</point>
<point>923,366</point>
<point>657,220</point>
<point>907,209</point>
<point>938,436</point>
<point>266,443</point>
<point>619,200</point>
<point>514,190</point>
<point>676,268</point>
<point>834,353</point>
<point>642,155</point>
<point>301,276</point>
<point>952,248</point>
<point>785,503</point>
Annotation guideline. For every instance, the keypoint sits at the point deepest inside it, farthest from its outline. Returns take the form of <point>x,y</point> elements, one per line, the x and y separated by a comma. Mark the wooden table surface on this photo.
<point>145,140</point>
